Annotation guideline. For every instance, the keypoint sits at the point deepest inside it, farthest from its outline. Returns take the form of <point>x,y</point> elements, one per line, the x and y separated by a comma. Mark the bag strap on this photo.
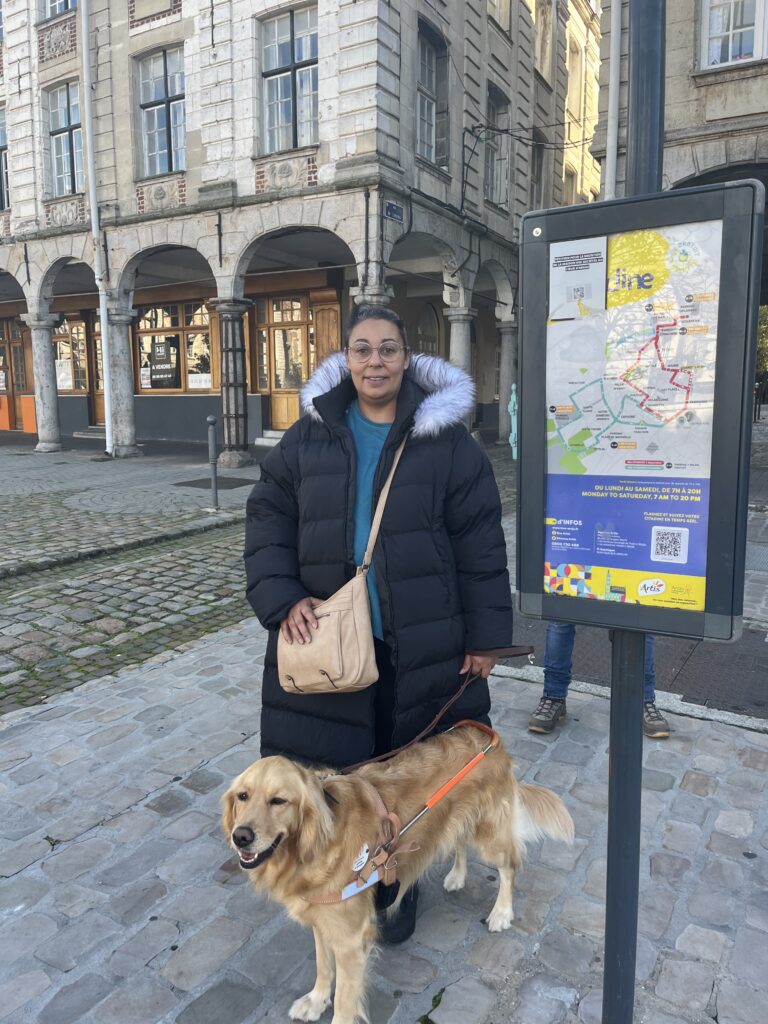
<point>376,523</point>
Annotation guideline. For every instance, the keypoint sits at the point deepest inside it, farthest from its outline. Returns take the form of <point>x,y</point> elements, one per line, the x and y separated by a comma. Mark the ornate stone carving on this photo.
<point>57,40</point>
<point>162,196</point>
<point>61,214</point>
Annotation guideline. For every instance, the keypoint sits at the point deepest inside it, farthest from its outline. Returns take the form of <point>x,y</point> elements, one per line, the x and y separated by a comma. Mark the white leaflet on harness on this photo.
<point>353,888</point>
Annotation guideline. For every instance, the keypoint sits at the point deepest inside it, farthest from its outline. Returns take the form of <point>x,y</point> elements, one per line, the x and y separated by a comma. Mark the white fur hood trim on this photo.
<point>450,391</point>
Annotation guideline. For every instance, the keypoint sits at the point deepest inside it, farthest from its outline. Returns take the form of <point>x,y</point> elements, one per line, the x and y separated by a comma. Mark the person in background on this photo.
<point>438,586</point>
<point>558,656</point>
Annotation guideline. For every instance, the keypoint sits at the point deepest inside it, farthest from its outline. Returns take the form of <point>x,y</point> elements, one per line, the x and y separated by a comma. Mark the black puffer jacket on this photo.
<point>440,560</point>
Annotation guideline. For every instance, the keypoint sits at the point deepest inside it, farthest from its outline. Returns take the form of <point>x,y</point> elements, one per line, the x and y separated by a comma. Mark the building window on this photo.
<point>734,30</point>
<point>569,187</point>
<point>499,11</point>
<point>427,332</point>
<point>543,38</point>
<point>432,97</point>
<point>174,347</point>
<point>497,146</point>
<point>286,353</point>
<point>5,201</point>
<point>66,139</point>
<point>70,355</point>
<point>2,23</point>
<point>537,171</point>
<point>163,111</point>
<point>54,7</point>
<point>575,81</point>
<point>289,71</point>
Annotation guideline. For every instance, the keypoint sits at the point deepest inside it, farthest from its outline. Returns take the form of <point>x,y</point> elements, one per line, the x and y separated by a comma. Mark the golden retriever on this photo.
<point>300,833</point>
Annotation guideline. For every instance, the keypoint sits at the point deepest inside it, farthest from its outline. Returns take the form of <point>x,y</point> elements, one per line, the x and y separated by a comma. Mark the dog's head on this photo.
<point>276,808</point>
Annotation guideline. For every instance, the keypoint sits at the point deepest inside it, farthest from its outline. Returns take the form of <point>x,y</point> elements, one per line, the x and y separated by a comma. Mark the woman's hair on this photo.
<point>360,313</point>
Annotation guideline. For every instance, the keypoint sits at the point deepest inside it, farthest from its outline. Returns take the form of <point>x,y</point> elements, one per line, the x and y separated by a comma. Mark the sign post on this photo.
<point>638,336</point>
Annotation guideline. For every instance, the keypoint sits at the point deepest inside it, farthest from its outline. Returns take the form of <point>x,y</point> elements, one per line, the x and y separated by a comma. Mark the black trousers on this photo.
<point>384,701</point>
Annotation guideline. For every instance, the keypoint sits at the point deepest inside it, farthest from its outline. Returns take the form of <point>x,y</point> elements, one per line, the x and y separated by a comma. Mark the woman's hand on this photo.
<point>296,625</point>
<point>478,665</point>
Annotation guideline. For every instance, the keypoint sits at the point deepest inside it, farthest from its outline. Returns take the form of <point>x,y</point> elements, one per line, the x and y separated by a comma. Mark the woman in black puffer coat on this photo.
<point>440,559</point>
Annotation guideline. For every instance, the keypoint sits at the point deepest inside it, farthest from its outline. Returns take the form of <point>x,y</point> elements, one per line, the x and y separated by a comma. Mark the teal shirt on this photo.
<point>369,438</point>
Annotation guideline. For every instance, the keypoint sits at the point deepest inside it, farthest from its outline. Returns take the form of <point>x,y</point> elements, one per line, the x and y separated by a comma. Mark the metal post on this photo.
<point>212,458</point>
<point>624,798</point>
<point>645,150</point>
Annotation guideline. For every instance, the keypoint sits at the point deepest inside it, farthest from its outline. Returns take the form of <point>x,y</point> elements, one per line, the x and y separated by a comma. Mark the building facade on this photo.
<point>260,167</point>
<point>716,95</point>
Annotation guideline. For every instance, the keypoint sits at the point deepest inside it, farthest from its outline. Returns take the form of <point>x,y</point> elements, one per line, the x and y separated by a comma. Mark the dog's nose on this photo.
<point>242,836</point>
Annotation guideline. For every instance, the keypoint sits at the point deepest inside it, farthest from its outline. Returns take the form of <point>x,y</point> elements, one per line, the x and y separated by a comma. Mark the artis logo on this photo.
<point>647,588</point>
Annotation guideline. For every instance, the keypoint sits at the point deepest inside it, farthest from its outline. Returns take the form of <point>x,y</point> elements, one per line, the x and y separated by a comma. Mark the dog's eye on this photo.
<point>277,800</point>
<point>242,796</point>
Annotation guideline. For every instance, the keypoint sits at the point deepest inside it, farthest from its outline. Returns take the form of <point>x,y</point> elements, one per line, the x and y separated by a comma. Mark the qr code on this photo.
<point>579,291</point>
<point>669,544</point>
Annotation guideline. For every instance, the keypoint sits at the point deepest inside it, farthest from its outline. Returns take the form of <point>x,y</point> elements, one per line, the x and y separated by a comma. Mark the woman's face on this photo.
<point>377,380</point>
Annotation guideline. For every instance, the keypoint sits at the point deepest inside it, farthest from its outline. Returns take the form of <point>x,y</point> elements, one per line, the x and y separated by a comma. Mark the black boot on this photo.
<point>396,928</point>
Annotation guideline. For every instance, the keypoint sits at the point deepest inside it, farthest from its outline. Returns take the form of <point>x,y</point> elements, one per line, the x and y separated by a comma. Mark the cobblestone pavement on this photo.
<point>72,504</point>
<point>64,626</point>
<point>122,904</point>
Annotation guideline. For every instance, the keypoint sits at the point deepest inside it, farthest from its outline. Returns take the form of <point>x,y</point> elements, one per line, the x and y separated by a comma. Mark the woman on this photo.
<point>439,586</point>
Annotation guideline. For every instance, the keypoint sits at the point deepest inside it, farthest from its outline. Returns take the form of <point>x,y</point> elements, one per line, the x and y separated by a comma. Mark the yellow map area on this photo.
<point>637,266</point>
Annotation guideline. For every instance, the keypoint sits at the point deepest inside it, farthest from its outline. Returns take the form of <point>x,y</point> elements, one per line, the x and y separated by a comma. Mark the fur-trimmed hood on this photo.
<point>450,391</point>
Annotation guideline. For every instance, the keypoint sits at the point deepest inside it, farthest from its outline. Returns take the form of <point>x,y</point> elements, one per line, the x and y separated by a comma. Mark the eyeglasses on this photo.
<point>389,352</point>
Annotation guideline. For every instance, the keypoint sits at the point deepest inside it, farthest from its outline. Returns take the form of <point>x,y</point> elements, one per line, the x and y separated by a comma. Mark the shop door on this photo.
<point>7,403</point>
<point>22,379</point>
<point>95,377</point>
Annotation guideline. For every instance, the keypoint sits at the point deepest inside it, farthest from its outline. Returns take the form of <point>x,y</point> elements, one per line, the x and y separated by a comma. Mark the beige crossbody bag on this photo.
<point>340,658</point>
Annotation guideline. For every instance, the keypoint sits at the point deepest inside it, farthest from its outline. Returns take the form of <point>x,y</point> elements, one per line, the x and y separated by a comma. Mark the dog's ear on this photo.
<point>228,812</point>
<point>315,821</point>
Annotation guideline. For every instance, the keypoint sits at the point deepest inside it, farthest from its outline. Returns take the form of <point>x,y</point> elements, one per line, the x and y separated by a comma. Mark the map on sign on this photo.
<point>630,395</point>
<point>631,387</point>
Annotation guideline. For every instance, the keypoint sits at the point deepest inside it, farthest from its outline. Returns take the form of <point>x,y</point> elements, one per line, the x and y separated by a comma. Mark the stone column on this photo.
<point>372,295</point>
<point>122,384</point>
<point>507,376</point>
<point>46,393</point>
<point>460,319</point>
<point>233,382</point>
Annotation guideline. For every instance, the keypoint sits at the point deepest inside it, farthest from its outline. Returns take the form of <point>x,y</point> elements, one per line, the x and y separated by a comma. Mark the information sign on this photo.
<point>637,356</point>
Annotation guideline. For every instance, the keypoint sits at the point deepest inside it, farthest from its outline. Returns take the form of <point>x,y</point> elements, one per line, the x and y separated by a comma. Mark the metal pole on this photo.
<point>624,798</point>
<point>645,147</point>
<point>645,119</point>
<point>212,458</point>
<point>98,264</point>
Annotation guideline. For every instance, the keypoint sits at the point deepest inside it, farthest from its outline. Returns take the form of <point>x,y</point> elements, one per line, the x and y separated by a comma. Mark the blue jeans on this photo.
<point>557,662</point>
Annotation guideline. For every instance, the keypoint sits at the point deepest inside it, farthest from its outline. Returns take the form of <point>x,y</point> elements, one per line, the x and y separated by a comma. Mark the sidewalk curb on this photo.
<point>27,568</point>
<point>671,702</point>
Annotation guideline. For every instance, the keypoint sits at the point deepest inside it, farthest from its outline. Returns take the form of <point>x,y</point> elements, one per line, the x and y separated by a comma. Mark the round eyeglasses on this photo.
<point>389,352</point>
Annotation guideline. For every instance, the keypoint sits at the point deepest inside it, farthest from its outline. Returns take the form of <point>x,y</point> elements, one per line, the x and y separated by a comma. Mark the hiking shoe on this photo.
<point>547,715</point>
<point>655,725</point>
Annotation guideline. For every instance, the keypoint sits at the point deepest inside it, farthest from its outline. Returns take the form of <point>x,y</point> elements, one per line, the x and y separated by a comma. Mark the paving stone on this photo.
<point>441,928</point>
<point>137,864</point>
<point>699,784</point>
<point>544,1000</point>
<point>466,1001</point>
<point>74,900</point>
<point>658,781</point>
<point>749,958</point>
<point>668,867</point>
<point>404,970</point>
<point>582,916</point>
<point>757,912</point>
<point>682,837</point>
<point>76,859</point>
<point>702,943</point>
<point>189,826</point>
<point>170,803</point>
<point>566,954</point>
<point>710,906</point>
<point>17,898</point>
<point>73,942</point>
<point>15,994</point>
<point>22,935</point>
<point>737,1004</point>
<point>228,1000</point>
<point>155,937</point>
<point>205,952</point>
<point>71,1003</point>
<point>686,984</point>
<point>268,964</point>
<point>738,824</point>
<point>142,1000</point>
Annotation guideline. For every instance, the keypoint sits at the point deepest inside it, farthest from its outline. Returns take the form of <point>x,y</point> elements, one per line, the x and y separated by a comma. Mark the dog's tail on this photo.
<point>542,813</point>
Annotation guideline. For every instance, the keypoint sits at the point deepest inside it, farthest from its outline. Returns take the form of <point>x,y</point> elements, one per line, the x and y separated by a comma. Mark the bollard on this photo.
<point>211,420</point>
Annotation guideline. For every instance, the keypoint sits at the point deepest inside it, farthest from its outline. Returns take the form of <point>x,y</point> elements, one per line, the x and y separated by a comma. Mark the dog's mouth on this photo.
<point>249,860</point>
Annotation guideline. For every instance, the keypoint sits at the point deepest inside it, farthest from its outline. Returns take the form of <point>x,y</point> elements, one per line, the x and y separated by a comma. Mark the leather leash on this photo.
<point>499,652</point>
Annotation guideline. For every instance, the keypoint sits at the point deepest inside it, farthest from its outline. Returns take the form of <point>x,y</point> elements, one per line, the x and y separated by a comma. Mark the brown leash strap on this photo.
<point>499,652</point>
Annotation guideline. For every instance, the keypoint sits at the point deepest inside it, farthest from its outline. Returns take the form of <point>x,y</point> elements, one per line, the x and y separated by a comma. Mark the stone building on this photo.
<point>716,95</point>
<point>260,166</point>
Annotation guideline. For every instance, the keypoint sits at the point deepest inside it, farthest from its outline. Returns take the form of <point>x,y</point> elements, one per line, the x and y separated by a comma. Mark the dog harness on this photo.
<point>381,864</point>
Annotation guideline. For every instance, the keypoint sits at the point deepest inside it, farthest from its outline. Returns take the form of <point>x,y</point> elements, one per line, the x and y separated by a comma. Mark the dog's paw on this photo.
<point>499,920</point>
<point>454,880</point>
<point>309,1007</point>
